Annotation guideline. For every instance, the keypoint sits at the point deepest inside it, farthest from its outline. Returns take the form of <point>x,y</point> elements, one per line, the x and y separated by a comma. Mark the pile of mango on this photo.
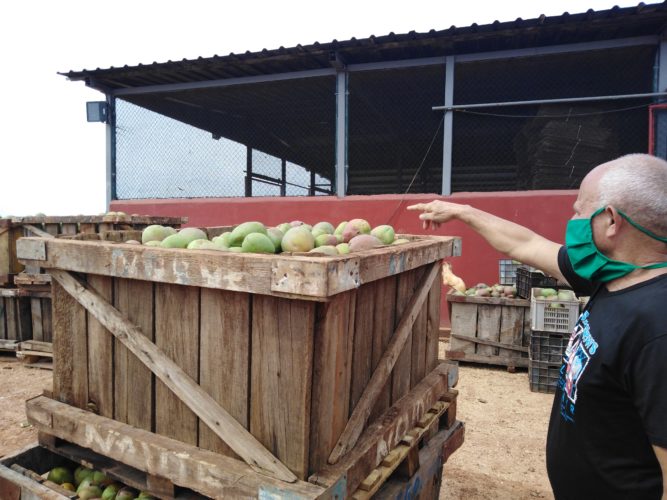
<point>296,236</point>
<point>92,484</point>
<point>484,290</point>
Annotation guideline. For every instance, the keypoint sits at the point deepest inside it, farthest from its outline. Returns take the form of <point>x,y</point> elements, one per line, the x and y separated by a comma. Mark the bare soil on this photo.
<point>502,456</point>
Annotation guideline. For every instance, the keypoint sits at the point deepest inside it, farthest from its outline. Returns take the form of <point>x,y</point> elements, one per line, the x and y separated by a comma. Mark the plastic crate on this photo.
<point>526,279</point>
<point>544,317</point>
<point>507,271</point>
<point>547,347</point>
<point>543,376</point>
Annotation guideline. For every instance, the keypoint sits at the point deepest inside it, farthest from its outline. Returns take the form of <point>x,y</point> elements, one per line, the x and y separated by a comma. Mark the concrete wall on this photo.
<point>546,212</point>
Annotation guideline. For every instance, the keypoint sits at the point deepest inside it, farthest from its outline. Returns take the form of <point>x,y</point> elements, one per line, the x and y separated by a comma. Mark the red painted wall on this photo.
<point>546,212</point>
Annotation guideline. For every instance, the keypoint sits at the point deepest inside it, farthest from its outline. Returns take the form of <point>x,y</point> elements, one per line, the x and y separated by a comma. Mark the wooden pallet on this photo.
<point>36,354</point>
<point>489,330</point>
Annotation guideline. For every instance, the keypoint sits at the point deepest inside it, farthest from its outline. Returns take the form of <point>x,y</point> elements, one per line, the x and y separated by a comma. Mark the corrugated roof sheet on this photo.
<point>542,31</point>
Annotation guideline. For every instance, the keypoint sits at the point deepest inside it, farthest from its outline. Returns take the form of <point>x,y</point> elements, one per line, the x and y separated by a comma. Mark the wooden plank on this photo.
<point>47,320</point>
<point>70,352</point>
<point>69,228</point>
<point>177,335</point>
<point>224,359</point>
<point>12,318</point>
<point>36,319</point>
<point>488,360</point>
<point>419,343</point>
<point>3,318</point>
<point>332,372</point>
<point>240,440</point>
<point>503,347</point>
<point>254,273</point>
<point>206,472</point>
<point>488,328</point>
<point>36,231</point>
<point>464,323</point>
<point>100,352</point>
<point>400,377</point>
<point>384,319</point>
<point>385,433</point>
<point>389,360</point>
<point>489,301</point>
<point>134,384</point>
<point>281,378</point>
<point>511,330</point>
<point>433,331</point>
<point>362,359</point>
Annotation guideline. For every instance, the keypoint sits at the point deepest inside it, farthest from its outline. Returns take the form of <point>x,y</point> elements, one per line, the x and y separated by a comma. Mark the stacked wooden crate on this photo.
<point>249,375</point>
<point>489,330</point>
<point>25,308</point>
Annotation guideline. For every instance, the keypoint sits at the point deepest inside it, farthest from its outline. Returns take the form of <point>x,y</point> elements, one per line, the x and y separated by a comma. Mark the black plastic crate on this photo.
<point>507,271</point>
<point>527,279</point>
<point>543,376</point>
<point>548,347</point>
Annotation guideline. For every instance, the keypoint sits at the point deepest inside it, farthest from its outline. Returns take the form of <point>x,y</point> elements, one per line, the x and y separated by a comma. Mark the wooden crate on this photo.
<point>15,317</point>
<point>489,330</point>
<point>279,363</point>
<point>13,229</point>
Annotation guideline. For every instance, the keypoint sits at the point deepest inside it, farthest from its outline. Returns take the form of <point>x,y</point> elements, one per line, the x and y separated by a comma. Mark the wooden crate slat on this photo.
<point>134,384</point>
<point>385,432</point>
<point>224,359</point>
<point>100,353</point>
<point>488,328</point>
<point>384,318</point>
<point>511,329</point>
<point>3,318</point>
<point>332,372</point>
<point>47,320</point>
<point>70,353</point>
<point>464,323</point>
<point>400,377</point>
<point>37,326</point>
<point>433,326</point>
<point>362,363</point>
<point>176,334</point>
<point>204,471</point>
<point>172,375</point>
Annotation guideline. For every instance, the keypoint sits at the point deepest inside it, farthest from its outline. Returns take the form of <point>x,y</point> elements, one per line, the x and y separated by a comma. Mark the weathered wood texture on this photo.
<point>15,319</point>
<point>489,330</point>
<point>286,369</point>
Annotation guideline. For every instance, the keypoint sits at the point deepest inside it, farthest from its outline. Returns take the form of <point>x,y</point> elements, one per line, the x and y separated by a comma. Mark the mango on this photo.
<point>340,228</point>
<point>400,241</point>
<point>170,230</point>
<point>81,473</point>
<point>111,491</point>
<point>284,227</point>
<point>132,242</point>
<point>242,230</point>
<point>325,239</point>
<point>276,236</point>
<point>154,243</point>
<point>175,241</point>
<point>364,242</point>
<point>325,249</point>
<point>90,492</point>
<point>60,475</point>
<point>384,233</point>
<point>258,243</point>
<point>354,228</point>
<point>192,233</point>
<point>154,232</point>
<point>298,239</point>
<point>548,292</point>
<point>326,227</point>
<point>126,494</point>
<point>343,248</point>
<point>202,245</point>
<point>68,487</point>
<point>235,249</point>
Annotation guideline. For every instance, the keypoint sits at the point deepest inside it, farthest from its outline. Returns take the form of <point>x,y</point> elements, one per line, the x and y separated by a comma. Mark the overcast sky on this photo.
<point>53,161</point>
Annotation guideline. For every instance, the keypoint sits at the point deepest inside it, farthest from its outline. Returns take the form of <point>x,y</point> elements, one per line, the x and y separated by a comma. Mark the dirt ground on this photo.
<point>502,456</point>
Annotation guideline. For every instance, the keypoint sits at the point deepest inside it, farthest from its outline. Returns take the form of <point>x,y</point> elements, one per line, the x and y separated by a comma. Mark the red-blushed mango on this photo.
<point>340,228</point>
<point>298,239</point>
<point>364,242</point>
<point>343,248</point>
<point>384,233</point>
<point>354,228</point>
<point>325,239</point>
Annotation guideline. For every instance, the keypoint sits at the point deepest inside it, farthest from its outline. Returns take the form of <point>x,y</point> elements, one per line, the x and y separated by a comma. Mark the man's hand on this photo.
<point>437,212</point>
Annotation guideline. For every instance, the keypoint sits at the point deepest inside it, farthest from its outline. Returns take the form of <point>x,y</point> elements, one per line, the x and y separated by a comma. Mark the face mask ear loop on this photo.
<point>642,229</point>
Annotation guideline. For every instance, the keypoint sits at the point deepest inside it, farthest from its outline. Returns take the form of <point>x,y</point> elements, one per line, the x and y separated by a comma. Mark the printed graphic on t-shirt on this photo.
<point>581,347</point>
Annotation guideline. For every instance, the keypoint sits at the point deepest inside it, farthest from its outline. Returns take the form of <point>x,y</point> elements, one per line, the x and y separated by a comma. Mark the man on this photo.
<point>607,434</point>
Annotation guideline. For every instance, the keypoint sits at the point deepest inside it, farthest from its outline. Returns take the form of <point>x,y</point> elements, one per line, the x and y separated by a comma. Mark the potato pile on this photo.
<point>90,484</point>
<point>296,236</point>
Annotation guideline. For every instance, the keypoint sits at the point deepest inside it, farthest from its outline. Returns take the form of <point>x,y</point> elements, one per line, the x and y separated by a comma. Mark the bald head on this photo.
<point>637,185</point>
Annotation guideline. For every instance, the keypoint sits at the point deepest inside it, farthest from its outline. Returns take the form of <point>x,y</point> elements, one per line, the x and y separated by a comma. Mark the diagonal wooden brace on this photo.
<point>199,401</point>
<point>355,425</point>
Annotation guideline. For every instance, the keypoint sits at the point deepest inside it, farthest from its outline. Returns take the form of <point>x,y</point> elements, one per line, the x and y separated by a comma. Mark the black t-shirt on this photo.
<point>611,401</point>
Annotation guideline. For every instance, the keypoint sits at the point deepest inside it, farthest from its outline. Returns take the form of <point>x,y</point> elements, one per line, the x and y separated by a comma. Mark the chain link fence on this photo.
<point>278,138</point>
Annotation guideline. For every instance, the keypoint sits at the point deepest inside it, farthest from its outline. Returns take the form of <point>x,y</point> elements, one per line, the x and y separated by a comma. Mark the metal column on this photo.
<point>341,133</point>
<point>111,152</point>
<point>660,132</point>
<point>448,130</point>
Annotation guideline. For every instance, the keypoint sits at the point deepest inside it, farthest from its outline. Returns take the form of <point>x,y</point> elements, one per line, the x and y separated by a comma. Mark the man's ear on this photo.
<point>614,221</point>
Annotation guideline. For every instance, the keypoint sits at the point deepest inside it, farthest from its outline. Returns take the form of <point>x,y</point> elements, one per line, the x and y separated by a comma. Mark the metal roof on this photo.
<point>590,26</point>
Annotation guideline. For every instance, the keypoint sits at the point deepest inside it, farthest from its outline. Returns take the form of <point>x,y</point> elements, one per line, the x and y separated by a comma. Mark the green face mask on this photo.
<point>588,262</point>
